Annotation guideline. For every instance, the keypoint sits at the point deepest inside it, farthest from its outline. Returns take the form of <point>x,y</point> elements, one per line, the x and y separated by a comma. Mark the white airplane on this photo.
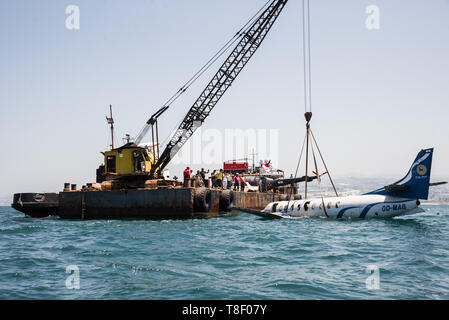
<point>400,198</point>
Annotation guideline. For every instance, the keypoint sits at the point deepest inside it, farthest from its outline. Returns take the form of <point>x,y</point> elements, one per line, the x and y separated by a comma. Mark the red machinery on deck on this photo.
<point>234,166</point>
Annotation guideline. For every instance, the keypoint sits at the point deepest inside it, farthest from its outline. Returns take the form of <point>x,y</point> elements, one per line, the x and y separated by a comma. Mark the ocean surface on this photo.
<point>234,256</point>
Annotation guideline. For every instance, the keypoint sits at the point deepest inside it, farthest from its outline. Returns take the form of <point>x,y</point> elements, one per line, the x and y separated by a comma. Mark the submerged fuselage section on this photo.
<point>364,206</point>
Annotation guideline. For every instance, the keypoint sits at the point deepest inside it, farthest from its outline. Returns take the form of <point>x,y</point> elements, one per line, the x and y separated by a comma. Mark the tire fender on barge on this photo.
<point>226,200</point>
<point>202,199</point>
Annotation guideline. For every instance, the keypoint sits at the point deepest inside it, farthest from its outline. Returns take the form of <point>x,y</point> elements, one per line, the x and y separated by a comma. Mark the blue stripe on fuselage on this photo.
<point>368,207</point>
<point>342,212</point>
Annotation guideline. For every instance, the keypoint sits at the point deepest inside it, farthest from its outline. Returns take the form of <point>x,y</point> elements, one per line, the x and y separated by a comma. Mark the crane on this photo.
<point>251,37</point>
<point>220,83</point>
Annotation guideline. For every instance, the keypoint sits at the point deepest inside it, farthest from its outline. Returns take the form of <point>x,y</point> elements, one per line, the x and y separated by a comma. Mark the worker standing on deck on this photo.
<point>225,182</point>
<point>220,179</point>
<point>229,178</point>
<point>242,183</point>
<point>199,182</point>
<point>236,182</point>
<point>186,177</point>
<point>213,178</point>
<point>203,174</point>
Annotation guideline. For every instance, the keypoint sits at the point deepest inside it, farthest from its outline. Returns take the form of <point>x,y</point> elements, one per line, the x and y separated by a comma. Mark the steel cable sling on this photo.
<point>309,140</point>
<point>223,79</point>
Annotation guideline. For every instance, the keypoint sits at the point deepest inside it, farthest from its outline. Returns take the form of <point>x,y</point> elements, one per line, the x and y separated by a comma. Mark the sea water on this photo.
<point>234,256</point>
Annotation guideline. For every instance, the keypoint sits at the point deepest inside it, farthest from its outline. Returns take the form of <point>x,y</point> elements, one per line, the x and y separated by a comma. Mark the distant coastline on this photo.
<point>435,203</point>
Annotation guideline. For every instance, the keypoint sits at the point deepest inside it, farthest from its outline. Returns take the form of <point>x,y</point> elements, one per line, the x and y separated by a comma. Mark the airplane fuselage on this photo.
<point>363,206</point>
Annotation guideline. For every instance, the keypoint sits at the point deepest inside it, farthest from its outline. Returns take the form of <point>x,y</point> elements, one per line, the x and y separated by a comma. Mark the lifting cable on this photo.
<point>307,56</point>
<point>317,173</point>
<point>307,71</point>
<point>297,169</point>
<point>215,57</point>
<point>324,163</point>
<point>308,100</point>
<point>310,140</point>
<point>307,79</point>
<point>300,156</point>
<point>211,62</point>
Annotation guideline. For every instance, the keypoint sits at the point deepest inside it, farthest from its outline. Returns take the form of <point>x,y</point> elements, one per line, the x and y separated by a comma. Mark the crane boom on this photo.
<point>223,79</point>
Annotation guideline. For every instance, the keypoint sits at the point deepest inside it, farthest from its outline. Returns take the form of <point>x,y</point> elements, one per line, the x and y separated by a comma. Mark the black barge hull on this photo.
<point>37,205</point>
<point>157,204</point>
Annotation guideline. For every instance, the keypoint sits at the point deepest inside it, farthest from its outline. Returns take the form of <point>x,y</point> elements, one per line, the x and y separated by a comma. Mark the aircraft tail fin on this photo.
<point>415,185</point>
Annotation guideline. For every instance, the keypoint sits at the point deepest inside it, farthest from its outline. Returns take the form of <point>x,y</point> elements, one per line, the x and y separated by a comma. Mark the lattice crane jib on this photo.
<point>249,43</point>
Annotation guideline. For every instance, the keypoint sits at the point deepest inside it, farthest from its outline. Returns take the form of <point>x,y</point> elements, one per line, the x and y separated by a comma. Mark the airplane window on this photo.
<point>299,207</point>
<point>306,206</point>
<point>292,208</point>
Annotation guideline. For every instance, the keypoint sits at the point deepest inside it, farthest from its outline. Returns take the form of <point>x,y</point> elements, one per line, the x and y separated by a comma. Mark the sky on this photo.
<point>379,96</point>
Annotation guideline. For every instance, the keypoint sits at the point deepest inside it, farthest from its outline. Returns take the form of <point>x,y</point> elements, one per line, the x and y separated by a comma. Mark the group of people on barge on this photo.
<point>217,179</point>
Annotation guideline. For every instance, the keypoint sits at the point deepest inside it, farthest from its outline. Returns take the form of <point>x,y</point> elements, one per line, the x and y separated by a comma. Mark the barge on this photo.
<point>157,204</point>
<point>132,180</point>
